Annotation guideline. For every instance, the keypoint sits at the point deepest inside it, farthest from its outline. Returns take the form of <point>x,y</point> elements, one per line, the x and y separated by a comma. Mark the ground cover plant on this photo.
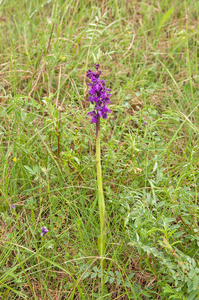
<point>49,219</point>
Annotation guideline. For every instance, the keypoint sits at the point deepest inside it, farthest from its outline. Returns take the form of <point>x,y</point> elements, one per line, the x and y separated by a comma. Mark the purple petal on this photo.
<point>98,95</point>
<point>89,73</point>
<point>93,119</point>
<point>105,109</point>
<point>44,230</point>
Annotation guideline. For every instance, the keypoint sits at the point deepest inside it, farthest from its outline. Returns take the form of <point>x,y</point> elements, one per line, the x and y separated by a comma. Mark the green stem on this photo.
<point>102,212</point>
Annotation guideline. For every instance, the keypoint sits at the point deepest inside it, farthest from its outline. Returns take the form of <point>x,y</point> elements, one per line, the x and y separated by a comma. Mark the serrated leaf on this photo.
<point>93,275</point>
<point>127,284</point>
<point>118,281</point>
<point>178,234</point>
<point>146,294</point>
<point>111,273</point>
<point>95,268</point>
<point>111,280</point>
<point>131,275</point>
<point>29,170</point>
<point>118,274</point>
<point>86,275</point>
<point>168,289</point>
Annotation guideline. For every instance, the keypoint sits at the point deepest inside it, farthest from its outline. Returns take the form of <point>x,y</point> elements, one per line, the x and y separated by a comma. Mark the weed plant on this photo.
<point>148,53</point>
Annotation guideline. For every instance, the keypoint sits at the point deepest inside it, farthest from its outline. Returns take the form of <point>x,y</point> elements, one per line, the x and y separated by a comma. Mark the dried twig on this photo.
<point>130,46</point>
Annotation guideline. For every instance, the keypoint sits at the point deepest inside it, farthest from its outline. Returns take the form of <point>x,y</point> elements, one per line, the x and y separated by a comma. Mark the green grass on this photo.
<point>148,53</point>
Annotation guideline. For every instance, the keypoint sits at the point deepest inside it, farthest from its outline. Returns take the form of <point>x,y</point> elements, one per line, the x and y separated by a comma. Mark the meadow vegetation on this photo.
<point>148,52</point>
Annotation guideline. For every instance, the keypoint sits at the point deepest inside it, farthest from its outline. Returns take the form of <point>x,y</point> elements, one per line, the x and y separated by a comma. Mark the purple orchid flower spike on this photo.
<point>98,95</point>
<point>44,230</point>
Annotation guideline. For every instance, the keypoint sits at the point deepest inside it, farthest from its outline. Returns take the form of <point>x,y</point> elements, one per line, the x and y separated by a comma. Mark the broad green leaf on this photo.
<point>164,19</point>
<point>193,295</point>
<point>195,282</point>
